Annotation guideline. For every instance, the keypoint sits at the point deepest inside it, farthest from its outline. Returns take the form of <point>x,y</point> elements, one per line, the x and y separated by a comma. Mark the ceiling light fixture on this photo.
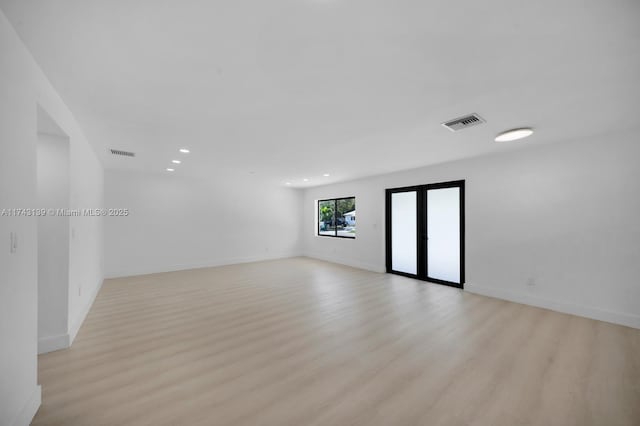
<point>326,175</point>
<point>184,150</point>
<point>169,169</point>
<point>288,183</point>
<point>176,161</point>
<point>514,134</point>
<point>305,179</point>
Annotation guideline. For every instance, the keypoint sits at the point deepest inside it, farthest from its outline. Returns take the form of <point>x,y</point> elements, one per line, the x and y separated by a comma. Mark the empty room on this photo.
<point>319,212</point>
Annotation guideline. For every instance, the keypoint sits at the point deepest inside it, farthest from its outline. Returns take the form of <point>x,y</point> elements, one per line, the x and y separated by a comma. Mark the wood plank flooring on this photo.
<point>305,342</point>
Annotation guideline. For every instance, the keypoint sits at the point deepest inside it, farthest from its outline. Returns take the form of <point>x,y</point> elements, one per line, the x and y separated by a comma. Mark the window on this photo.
<point>337,217</point>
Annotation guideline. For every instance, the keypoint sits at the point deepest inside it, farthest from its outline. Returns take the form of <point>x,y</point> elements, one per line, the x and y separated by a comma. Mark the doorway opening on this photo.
<point>425,232</point>
<point>53,185</point>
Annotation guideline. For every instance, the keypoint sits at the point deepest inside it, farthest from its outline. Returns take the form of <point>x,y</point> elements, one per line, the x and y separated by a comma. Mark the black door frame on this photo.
<point>421,234</point>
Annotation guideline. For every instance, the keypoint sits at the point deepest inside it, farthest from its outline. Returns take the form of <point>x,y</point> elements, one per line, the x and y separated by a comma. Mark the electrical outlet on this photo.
<point>13,242</point>
<point>531,282</point>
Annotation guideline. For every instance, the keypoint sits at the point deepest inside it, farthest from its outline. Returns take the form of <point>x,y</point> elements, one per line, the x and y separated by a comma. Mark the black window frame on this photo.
<point>335,213</point>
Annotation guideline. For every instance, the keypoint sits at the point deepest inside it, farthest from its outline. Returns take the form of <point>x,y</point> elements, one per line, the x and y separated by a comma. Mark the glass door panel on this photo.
<point>404,226</point>
<point>443,234</point>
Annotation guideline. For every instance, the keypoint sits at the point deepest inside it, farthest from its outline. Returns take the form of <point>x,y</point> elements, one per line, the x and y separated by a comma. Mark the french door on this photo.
<point>425,232</point>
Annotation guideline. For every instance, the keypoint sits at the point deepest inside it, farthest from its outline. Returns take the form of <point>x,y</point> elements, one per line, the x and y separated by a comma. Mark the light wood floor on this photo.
<point>304,342</point>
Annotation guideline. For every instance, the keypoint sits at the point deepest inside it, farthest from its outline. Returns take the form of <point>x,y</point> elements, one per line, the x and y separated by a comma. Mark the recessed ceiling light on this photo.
<point>176,161</point>
<point>326,175</point>
<point>288,183</point>
<point>169,169</point>
<point>514,134</point>
<point>184,150</point>
<point>305,179</point>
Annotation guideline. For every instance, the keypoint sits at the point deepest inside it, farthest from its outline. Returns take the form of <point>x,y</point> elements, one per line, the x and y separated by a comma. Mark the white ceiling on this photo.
<point>293,89</point>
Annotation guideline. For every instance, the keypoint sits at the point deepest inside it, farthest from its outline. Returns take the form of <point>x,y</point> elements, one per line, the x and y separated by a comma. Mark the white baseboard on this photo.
<point>64,341</point>
<point>77,322</point>
<point>29,409</point>
<point>628,320</point>
<point>53,343</point>
<point>348,262</point>
<point>130,272</point>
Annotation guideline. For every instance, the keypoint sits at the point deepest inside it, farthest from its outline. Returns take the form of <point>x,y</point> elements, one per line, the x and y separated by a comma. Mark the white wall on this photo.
<point>22,87</point>
<point>564,217</point>
<point>178,223</point>
<point>53,243</point>
<point>86,251</point>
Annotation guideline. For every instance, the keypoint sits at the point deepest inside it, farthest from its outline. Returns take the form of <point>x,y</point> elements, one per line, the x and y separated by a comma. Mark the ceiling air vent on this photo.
<point>123,153</point>
<point>463,122</point>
